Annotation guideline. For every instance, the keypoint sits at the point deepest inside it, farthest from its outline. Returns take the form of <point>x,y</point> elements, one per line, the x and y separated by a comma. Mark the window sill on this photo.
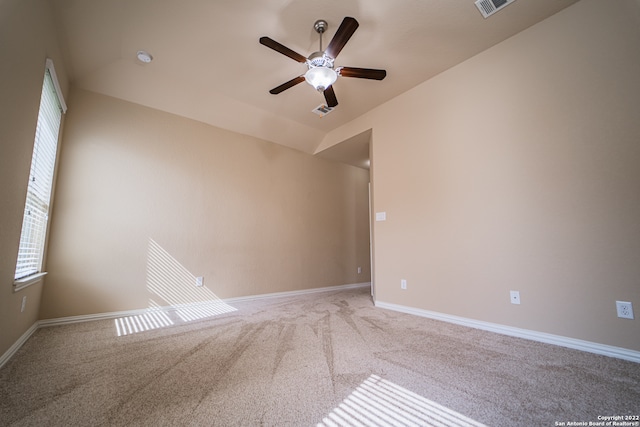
<point>25,282</point>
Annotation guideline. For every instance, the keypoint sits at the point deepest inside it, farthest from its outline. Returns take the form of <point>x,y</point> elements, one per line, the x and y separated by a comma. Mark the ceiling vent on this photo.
<point>489,7</point>
<point>322,110</point>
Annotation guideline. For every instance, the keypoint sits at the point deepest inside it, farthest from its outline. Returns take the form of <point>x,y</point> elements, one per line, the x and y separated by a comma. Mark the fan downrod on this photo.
<point>320,26</point>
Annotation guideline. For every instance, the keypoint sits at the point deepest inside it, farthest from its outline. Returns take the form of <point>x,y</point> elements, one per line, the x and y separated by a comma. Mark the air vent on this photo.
<point>322,110</point>
<point>489,7</point>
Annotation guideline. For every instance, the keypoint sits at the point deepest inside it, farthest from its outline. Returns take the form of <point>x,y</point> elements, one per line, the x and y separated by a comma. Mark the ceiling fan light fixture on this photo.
<point>321,73</point>
<point>321,77</point>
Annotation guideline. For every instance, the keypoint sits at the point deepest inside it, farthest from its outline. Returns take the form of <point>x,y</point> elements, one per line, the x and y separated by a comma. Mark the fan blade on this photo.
<point>270,43</point>
<point>287,85</point>
<point>330,97</point>
<point>362,73</point>
<point>345,31</point>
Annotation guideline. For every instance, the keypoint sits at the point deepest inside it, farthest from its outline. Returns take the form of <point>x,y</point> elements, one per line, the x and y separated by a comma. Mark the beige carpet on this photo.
<point>324,359</point>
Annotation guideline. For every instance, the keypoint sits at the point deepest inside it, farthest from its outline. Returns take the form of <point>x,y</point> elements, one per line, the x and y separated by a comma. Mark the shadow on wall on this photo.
<point>183,301</point>
<point>380,402</point>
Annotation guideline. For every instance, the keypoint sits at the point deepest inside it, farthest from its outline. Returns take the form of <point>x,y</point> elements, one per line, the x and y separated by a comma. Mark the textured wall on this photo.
<point>146,201</point>
<point>519,170</point>
<point>27,38</point>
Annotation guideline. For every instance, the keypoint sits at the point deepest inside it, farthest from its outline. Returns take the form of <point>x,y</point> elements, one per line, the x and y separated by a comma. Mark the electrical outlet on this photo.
<point>359,270</point>
<point>24,304</point>
<point>625,309</point>
<point>515,297</point>
<point>199,281</point>
<point>403,284</point>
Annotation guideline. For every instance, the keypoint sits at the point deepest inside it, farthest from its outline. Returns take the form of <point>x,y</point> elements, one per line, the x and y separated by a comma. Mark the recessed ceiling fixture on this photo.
<point>320,70</point>
<point>144,56</point>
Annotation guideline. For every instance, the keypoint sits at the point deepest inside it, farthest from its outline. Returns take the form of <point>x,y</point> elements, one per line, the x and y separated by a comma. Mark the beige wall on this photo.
<point>519,170</point>
<point>146,201</point>
<point>27,38</point>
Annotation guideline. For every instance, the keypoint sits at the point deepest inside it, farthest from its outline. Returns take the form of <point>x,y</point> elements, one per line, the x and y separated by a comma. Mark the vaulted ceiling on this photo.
<point>209,66</point>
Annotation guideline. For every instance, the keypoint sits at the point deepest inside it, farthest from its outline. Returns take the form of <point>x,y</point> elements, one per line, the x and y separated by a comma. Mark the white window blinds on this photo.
<point>43,161</point>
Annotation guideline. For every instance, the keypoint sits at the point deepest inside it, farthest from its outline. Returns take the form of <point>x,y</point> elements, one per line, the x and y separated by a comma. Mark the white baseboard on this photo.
<point>127,313</point>
<point>137,312</point>
<point>295,293</point>
<point>118,314</point>
<point>588,346</point>
<point>16,345</point>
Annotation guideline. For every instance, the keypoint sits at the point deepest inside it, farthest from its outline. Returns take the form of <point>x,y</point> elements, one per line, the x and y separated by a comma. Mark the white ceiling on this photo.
<point>209,66</point>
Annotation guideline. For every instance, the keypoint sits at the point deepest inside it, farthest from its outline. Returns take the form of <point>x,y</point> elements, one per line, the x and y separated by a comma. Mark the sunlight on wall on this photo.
<point>172,282</point>
<point>378,402</point>
<point>183,301</point>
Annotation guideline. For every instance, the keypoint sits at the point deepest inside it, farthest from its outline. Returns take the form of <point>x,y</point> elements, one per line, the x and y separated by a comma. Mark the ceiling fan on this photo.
<point>321,73</point>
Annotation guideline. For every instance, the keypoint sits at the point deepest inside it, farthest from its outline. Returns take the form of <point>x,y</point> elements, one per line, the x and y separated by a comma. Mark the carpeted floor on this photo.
<point>323,359</point>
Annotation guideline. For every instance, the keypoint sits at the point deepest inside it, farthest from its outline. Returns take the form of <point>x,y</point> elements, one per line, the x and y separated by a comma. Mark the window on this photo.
<point>43,161</point>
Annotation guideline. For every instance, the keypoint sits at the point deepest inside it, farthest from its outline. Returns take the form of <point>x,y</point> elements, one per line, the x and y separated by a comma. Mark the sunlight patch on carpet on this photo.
<point>154,318</point>
<point>378,402</point>
<point>202,311</point>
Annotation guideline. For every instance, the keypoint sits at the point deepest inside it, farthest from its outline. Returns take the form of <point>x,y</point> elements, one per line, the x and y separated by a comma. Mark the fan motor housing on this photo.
<point>319,59</point>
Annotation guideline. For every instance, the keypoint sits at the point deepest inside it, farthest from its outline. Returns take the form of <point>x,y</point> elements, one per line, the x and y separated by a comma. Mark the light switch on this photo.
<point>381,216</point>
